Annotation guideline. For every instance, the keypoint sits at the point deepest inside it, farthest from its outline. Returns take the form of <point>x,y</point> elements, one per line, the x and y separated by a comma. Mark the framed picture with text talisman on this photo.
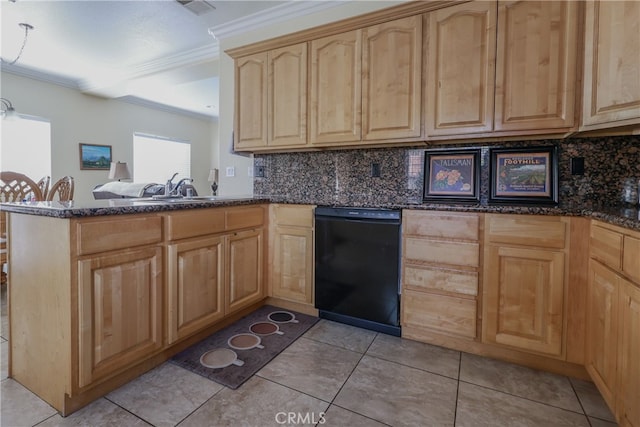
<point>524,175</point>
<point>452,175</point>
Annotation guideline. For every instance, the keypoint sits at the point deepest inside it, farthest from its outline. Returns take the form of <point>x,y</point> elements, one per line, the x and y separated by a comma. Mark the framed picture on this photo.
<point>452,175</point>
<point>95,157</point>
<point>524,175</point>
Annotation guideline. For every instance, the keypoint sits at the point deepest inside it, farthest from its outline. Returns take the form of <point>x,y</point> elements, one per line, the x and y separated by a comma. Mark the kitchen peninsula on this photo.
<point>103,291</point>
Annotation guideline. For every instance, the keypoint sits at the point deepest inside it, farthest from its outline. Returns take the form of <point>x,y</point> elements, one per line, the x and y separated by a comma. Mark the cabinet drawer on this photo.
<point>111,234</point>
<point>427,278</point>
<point>606,246</point>
<point>200,222</point>
<point>631,258</point>
<point>293,215</point>
<point>438,224</point>
<point>438,312</point>
<point>442,252</point>
<point>546,232</point>
<point>244,217</point>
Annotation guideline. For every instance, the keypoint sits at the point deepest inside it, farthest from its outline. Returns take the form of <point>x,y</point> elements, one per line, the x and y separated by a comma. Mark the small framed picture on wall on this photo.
<point>524,175</point>
<point>452,175</point>
<point>95,157</point>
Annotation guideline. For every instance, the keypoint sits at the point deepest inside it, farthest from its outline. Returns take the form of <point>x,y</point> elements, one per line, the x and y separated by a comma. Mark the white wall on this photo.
<point>78,118</point>
<point>242,183</point>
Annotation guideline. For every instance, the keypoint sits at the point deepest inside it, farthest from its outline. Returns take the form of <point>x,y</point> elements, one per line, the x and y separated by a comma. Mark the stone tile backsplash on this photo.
<point>343,177</point>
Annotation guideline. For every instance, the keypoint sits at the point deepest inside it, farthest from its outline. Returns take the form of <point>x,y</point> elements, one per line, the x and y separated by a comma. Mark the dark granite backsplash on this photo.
<point>343,177</point>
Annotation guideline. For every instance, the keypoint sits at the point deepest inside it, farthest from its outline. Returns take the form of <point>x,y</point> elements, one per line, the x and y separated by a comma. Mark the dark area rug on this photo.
<point>254,359</point>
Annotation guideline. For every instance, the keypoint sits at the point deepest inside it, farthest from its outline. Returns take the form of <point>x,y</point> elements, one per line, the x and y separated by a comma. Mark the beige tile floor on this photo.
<point>335,375</point>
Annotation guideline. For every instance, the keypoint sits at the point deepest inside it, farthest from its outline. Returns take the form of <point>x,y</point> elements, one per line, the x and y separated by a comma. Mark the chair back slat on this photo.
<point>43,184</point>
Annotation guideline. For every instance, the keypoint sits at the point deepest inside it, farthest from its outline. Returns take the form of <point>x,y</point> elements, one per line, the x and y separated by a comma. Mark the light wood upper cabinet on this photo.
<point>335,89</point>
<point>602,329</point>
<point>536,65</point>
<point>244,260</point>
<point>120,311</point>
<point>611,94</point>
<point>392,79</point>
<point>251,102</point>
<point>287,94</point>
<point>460,59</point>
<point>628,409</point>
<point>195,285</point>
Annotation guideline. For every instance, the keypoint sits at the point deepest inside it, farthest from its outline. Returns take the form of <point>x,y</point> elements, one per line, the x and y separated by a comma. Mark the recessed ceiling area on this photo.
<point>155,52</point>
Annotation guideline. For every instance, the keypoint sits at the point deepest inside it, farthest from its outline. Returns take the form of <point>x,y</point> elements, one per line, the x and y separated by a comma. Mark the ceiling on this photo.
<point>152,52</point>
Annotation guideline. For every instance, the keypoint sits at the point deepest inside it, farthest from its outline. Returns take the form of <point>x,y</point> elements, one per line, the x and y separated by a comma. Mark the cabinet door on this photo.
<point>120,311</point>
<point>611,63</point>
<point>460,63</point>
<point>536,65</point>
<point>336,82</point>
<point>251,102</point>
<point>602,329</point>
<point>629,365</point>
<point>244,269</point>
<point>392,79</point>
<point>288,96</point>
<point>195,286</point>
<point>523,299</point>
<point>292,269</point>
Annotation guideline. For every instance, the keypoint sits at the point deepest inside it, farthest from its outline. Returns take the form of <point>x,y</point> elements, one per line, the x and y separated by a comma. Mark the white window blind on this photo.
<point>156,158</point>
<point>26,147</point>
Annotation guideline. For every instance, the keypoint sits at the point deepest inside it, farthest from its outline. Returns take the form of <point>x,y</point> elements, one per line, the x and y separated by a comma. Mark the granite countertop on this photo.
<point>623,217</point>
<point>74,209</point>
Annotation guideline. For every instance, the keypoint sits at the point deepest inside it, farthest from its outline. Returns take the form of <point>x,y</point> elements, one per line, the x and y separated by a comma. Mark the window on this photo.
<point>156,159</point>
<point>26,147</point>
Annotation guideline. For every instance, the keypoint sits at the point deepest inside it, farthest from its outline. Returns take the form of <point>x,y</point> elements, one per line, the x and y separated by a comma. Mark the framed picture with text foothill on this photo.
<point>95,157</point>
<point>524,175</point>
<point>452,175</point>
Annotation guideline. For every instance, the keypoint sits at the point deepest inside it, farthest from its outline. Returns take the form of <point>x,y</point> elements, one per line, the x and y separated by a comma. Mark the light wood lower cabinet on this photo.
<point>120,311</point>
<point>628,409</point>
<point>291,253</point>
<point>195,285</point>
<point>244,255</point>
<point>440,267</point>
<point>613,322</point>
<point>524,283</point>
<point>602,329</point>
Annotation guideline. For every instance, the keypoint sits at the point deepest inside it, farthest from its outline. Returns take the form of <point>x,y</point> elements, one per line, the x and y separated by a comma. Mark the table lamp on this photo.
<point>213,179</point>
<point>119,171</point>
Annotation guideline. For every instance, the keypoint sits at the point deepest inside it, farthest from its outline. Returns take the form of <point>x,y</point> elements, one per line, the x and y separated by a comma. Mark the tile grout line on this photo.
<point>521,397</point>
<point>347,380</point>
<point>455,409</point>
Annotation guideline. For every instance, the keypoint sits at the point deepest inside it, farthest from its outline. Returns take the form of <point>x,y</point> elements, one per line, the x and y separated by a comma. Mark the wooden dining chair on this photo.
<point>63,188</point>
<point>15,187</point>
<point>43,184</point>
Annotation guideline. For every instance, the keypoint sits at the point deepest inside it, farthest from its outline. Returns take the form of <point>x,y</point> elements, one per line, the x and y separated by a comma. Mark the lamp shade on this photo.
<point>119,170</point>
<point>213,175</point>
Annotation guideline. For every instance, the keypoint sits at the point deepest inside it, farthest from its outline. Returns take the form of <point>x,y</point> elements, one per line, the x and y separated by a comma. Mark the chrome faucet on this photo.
<point>168,186</point>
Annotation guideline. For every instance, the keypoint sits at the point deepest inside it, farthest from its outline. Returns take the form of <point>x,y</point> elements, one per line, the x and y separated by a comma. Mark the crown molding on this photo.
<point>209,52</point>
<point>35,74</point>
<point>284,12</point>
<point>129,99</point>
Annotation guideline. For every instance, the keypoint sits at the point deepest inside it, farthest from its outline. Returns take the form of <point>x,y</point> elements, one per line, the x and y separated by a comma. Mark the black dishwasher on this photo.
<point>357,267</point>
